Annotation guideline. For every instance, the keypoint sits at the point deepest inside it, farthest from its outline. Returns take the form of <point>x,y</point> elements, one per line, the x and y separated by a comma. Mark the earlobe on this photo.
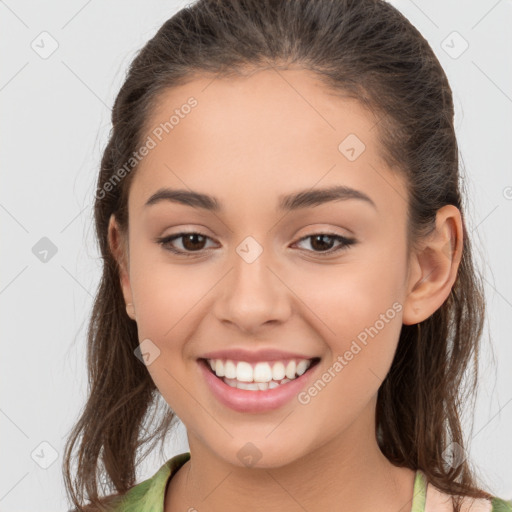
<point>434,267</point>
<point>117,244</point>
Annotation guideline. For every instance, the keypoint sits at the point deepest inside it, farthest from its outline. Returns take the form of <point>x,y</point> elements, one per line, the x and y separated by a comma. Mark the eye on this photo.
<point>318,240</point>
<point>194,242</point>
<point>191,241</point>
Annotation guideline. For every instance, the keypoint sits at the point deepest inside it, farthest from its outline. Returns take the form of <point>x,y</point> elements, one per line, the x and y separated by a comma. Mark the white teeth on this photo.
<point>243,372</point>
<point>278,371</point>
<point>303,366</point>
<point>230,370</point>
<point>254,386</point>
<point>290,369</point>
<point>219,368</point>
<point>262,373</point>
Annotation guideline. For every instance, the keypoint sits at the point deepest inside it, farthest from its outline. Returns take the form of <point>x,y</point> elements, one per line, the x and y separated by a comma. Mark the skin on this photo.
<point>248,141</point>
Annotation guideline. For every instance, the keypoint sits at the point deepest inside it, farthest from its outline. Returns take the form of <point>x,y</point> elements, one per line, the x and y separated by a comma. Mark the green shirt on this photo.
<point>149,495</point>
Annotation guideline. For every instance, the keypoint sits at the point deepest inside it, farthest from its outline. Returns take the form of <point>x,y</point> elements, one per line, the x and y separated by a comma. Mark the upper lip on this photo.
<point>240,354</point>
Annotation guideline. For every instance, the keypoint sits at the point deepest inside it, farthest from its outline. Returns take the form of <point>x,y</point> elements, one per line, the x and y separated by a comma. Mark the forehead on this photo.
<point>260,136</point>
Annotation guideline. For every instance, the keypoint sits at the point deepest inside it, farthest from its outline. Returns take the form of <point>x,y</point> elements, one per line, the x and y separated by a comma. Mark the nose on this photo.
<point>253,294</point>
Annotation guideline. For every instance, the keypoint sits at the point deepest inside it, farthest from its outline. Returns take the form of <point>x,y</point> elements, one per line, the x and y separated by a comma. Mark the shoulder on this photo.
<point>501,505</point>
<point>149,494</point>
<point>438,501</point>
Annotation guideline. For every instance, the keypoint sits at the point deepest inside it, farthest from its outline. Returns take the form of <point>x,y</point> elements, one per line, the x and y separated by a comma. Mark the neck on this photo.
<point>348,473</point>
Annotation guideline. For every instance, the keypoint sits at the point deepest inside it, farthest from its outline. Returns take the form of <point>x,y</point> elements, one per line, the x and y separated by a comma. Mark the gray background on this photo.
<point>55,120</point>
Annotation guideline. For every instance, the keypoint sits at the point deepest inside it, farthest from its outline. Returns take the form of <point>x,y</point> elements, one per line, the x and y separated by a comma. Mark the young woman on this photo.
<point>286,264</point>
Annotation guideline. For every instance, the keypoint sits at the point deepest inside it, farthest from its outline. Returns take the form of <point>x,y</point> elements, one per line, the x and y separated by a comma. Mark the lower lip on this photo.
<point>244,400</point>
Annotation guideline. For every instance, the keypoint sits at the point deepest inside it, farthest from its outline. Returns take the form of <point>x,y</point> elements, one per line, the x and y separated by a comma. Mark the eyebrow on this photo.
<point>289,202</point>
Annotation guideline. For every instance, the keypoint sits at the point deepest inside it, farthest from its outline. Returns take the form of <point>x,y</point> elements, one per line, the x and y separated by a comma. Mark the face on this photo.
<point>323,279</point>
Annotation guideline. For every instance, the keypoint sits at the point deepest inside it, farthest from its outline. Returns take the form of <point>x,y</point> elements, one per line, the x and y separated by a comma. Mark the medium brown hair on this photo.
<point>363,49</point>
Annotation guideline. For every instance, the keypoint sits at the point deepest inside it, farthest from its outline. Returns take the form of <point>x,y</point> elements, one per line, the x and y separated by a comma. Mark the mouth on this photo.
<point>260,376</point>
<point>257,387</point>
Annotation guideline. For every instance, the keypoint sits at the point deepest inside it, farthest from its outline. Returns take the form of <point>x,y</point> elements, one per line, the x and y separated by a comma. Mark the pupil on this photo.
<point>191,237</point>
<point>322,245</point>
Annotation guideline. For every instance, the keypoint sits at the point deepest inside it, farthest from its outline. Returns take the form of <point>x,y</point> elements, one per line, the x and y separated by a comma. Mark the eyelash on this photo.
<point>345,243</point>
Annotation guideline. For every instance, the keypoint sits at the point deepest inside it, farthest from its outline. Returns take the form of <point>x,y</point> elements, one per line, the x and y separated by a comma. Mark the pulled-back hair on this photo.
<point>361,49</point>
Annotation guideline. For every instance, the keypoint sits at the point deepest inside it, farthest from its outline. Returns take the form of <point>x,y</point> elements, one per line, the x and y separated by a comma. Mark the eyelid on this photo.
<point>346,243</point>
<point>167,239</point>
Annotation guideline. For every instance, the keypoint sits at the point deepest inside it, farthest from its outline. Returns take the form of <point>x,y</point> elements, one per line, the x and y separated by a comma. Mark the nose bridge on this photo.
<point>251,274</point>
<point>252,294</point>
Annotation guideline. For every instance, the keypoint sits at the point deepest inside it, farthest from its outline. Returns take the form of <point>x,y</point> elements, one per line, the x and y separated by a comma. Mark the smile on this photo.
<point>259,386</point>
<point>259,376</point>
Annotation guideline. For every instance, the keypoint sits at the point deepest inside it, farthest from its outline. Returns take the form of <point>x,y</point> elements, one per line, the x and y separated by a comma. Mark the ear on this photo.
<point>433,268</point>
<point>119,248</point>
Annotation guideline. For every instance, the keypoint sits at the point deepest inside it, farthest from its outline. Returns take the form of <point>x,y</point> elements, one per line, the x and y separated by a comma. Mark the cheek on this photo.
<point>167,294</point>
<point>167,300</point>
<point>356,307</point>
<point>343,300</point>
<point>360,323</point>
